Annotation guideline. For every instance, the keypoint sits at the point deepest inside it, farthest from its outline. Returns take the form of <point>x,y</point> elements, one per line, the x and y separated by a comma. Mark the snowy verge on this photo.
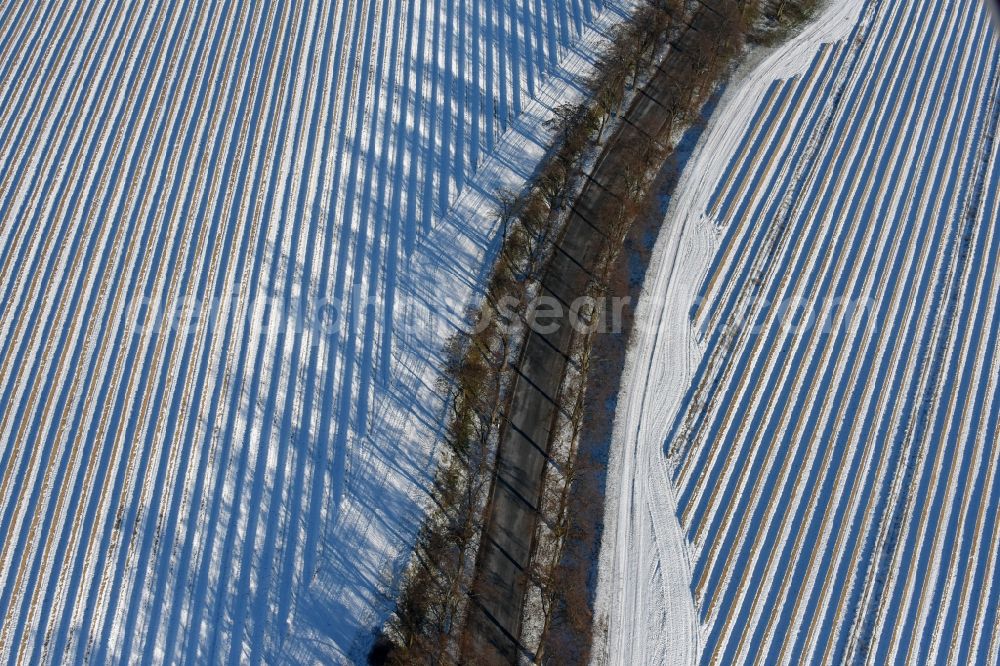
<point>645,611</point>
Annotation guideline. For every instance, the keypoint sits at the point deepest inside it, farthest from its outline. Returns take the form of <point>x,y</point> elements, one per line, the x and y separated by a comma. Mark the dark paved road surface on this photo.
<point>507,544</point>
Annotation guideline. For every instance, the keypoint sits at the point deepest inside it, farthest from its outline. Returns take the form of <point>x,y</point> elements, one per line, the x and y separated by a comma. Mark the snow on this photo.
<point>769,477</point>
<point>247,485</point>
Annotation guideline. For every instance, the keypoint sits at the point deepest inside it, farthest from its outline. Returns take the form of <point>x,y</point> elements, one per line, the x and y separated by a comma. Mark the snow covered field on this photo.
<point>805,463</point>
<point>233,235</point>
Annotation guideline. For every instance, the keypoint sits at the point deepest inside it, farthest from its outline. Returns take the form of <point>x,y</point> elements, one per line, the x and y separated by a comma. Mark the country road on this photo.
<point>527,437</point>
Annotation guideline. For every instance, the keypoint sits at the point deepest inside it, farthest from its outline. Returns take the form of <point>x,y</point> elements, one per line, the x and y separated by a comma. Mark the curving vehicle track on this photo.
<point>806,460</point>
